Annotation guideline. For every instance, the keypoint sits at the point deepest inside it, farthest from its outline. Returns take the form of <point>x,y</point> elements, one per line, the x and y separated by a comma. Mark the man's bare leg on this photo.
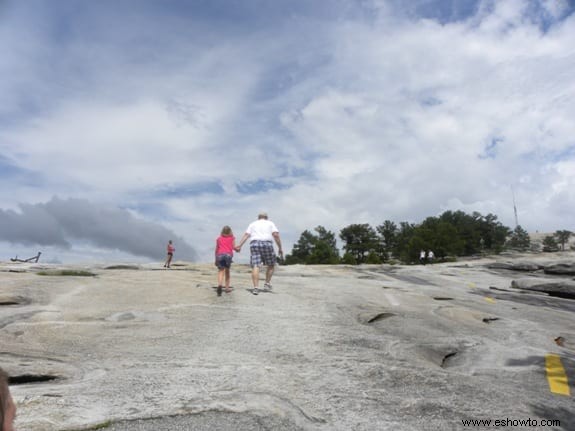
<point>256,276</point>
<point>269,273</point>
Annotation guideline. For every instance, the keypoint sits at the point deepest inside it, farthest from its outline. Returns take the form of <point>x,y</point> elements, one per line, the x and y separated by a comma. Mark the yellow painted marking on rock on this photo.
<point>472,285</point>
<point>556,376</point>
<point>490,299</point>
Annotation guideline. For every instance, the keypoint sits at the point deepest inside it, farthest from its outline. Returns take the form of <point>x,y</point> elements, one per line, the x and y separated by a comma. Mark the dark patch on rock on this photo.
<point>564,295</point>
<point>562,268</point>
<point>412,279</point>
<point>440,356</point>
<point>380,316</point>
<point>135,267</point>
<point>515,266</point>
<point>442,298</point>
<point>489,319</point>
<point>499,289</point>
<point>25,379</point>
<point>372,316</point>
<point>446,358</point>
<point>556,288</point>
<point>13,300</point>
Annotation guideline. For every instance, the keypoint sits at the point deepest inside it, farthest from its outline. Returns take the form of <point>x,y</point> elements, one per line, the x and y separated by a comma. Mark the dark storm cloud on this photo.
<point>60,222</point>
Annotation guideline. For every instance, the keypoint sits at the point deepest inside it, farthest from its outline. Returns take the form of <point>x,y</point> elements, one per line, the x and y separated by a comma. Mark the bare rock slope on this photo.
<point>330,348</point>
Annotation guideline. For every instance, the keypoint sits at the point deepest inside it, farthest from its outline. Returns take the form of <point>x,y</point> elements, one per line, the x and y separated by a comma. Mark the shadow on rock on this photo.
<point>566,417</point>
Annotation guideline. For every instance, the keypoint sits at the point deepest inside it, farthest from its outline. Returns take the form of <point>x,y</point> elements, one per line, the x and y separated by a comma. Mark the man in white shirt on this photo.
<point>262,233</point>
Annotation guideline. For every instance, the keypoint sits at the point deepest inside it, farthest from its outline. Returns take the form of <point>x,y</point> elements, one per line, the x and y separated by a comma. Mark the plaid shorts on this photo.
<point>224,261</point>
<point>262,253</point>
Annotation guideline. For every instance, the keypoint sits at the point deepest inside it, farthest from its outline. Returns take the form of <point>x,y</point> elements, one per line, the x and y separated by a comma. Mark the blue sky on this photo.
<point>169,119</point>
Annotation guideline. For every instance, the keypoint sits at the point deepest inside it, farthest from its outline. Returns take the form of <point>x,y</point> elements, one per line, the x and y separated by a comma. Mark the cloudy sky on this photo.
<point>125,123</point>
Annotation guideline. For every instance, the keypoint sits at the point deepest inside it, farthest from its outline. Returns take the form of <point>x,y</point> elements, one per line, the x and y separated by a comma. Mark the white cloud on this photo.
<point>327,121</point>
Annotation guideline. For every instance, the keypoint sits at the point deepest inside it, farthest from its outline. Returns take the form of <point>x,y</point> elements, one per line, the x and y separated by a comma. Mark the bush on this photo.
<point>348,259</point>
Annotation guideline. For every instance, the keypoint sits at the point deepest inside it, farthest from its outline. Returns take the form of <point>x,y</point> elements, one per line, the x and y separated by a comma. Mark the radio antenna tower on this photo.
<point>514,207</point>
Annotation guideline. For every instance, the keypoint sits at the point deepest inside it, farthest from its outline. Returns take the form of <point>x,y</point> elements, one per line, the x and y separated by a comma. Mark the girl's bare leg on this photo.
<point>227,279</point>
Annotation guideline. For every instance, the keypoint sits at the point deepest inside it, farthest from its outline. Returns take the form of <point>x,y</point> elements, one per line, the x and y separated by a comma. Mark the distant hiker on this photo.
<point>170,250</point>
<point>262,234</point>
<point>430,256</point>
<point>7,406</point>
<point>422,257</point>
<point>224,253</point>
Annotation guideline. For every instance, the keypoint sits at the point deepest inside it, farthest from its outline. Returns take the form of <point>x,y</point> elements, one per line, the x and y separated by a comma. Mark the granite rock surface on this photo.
<point>330,348</point>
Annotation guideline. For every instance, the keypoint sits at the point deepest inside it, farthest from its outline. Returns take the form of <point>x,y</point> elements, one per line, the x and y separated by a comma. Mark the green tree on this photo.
<point>492,233</point>
<point>302,249</point>
<point>401,248</point>
<point>360,240</point>
<point>388,236</point>
<point>519,239</point>
<point>325,248</point>
<point>319,248</point>
<point>348,259</point>
<point>550,243</point>
<point>447,241</point>
<point>562,237</point>
<point>373,258</point>
<point>467,229</point>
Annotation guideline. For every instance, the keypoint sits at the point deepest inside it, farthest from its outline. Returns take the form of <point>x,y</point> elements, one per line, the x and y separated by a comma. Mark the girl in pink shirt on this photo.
<point>224,252</point>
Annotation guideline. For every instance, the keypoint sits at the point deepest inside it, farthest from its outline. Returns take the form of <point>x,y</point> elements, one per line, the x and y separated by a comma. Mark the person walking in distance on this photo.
<point>262,233</point>
<point>224,253</point>
<point>7,406</point>
<point>170,251</point>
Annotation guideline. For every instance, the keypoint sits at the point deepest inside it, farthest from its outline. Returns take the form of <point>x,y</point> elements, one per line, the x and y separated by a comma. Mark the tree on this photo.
<point>388,235</point>
<point>562,237</point>
<point>446,241</point>
<point>519,239</point>
<point>401,248</point>
<point>325,248</point>
<point>467,228</point>
<point>319,248</point>
<point>302,249</point>
<point>359,239</point>
<point>493,233</point>
<point>373,258</point>
<point>453,233</point>
<point>348,259</point>
<point>550,244</point>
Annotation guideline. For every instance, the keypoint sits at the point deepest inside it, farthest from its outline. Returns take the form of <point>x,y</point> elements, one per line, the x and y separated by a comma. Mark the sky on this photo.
<point>126,123</point>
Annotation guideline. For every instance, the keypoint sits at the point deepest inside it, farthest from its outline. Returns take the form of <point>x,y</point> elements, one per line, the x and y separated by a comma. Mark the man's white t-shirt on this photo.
<point>261,230</point>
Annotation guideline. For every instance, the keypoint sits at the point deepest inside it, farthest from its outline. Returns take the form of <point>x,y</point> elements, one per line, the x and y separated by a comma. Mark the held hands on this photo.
<point>238,248</point>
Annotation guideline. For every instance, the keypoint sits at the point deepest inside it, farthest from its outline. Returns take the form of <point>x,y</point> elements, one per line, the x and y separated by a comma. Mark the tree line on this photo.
<point>452,234</point>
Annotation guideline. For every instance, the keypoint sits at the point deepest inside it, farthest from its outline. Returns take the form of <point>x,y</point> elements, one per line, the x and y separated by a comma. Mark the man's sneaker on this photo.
<point>255,291</point>
<point>267,286</point>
